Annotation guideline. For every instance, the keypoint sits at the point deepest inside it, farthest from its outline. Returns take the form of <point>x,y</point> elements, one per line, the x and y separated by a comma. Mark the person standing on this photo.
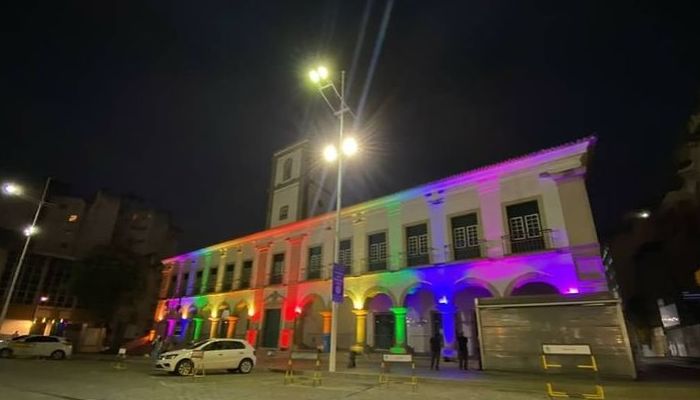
<point>463,351</point>
<point>436,344</point>
<point>157,348</point>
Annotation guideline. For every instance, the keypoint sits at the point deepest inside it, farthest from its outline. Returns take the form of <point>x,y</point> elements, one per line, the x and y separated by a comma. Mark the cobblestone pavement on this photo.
<point>95,379</point>
<point>92,380</point>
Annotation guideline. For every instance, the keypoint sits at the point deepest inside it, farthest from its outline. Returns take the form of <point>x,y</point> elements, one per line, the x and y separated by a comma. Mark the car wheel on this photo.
<point>245,366</point>
<point>184,367</point>
<point>5,353</point>
<point>58,355</point>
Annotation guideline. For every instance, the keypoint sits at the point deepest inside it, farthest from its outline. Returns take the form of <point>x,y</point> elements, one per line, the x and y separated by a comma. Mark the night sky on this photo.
<point>184,102</point>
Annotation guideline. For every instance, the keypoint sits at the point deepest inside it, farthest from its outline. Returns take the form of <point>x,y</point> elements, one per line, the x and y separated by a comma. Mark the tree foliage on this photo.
<point>107,281</point>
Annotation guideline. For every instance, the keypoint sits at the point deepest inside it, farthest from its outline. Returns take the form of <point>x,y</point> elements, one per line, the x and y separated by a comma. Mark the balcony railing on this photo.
<point>544,241</point>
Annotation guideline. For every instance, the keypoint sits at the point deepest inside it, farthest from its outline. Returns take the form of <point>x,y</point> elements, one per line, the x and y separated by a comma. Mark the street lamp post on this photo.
<point>12,189</point>
<point>335,153</point>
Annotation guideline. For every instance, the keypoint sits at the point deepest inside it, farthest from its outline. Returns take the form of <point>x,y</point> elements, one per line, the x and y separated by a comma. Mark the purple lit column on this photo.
<point>171,327</point>
<point>492,217</point>
<point>447,314</point>
<point>436,206</point>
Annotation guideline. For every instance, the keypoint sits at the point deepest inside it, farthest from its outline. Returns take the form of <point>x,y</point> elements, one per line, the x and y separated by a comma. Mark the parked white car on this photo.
<point>228,354</point>
<point>54,347</point>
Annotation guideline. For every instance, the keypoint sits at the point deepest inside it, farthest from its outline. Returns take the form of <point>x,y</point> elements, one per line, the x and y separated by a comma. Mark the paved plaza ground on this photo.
<point>94,377</point>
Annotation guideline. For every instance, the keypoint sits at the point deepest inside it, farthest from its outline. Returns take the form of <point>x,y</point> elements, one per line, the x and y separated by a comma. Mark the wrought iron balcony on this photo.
<point>544,241</point>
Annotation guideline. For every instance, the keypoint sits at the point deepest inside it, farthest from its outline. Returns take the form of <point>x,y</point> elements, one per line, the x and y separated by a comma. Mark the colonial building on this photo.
<point>415,260</point>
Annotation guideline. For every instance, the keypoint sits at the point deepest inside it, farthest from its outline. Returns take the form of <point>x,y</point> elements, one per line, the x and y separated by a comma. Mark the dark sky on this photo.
<point>183,102</point>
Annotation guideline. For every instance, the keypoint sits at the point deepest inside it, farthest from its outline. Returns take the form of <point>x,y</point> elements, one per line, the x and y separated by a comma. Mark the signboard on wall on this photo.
<point>338,282</point>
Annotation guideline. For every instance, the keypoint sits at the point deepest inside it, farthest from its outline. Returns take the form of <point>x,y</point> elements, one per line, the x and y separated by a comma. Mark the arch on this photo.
<point>376,290</point>
<point>420,285</point>
<point>534,289</point>
<point>468,282</point>
<point>310,298</point>
<point>529,277</point>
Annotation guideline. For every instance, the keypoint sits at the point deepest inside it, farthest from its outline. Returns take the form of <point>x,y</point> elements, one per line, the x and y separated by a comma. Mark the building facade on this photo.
<point>415,261</point>
<point>71,229</point>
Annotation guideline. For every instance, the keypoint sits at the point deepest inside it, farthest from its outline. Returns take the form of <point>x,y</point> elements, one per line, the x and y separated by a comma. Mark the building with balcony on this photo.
<point>415,261</point>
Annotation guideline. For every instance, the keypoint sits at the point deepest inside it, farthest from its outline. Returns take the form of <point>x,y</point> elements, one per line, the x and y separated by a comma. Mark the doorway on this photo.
<point>383,331</point>
<point>271,328</point>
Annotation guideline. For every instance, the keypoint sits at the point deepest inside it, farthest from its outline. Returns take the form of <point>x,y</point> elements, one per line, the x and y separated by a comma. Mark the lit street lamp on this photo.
<point>347,147</point>
<point>12,189</point>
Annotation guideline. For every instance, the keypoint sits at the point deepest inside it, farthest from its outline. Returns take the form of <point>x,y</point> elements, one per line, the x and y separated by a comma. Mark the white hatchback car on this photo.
<point>54,347</point>
<point>229,354</point>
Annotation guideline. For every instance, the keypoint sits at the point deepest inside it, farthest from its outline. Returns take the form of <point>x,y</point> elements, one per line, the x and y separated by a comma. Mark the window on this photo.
<point>246,273</point>
<point>228,276</point>
<point>277,272</point>
<point>313,270</point>
<point>213,346</point>
<point>232,345</point>
<point>284,212</point>
<point>346,252</point>
<point>418,249</point>
<point>185,280</point>
<point>73,218</point>
<point>287,169</point>
<point>465,237</point>
<point>525,229</point>
<point>198,281</point>
<point>377,251</point>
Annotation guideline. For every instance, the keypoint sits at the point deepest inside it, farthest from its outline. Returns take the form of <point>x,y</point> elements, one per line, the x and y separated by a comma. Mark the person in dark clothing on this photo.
<point>463,351</point>
<point>436,344</point>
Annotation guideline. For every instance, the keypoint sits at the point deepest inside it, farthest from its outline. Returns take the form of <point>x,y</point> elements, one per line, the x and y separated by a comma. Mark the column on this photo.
<point>171,327</point>
<point>179,270</point>
<point>231,326</point>
<point>360,330</point>
<point>221,271</point>
<point>436,208</point>
<point>197,328</point>
<point>261,265</point>
<point>447,315</point>
<point>491,217</point>
<point>359,245</point>
<point>190,290</point>
<point>237,270</point>
<point>183,332</point>
<point>326,315</point>
<point>165,281</point>
<point>206,266</point>
<point>396,248</point>
<point>214,328</point>
<point>399,330</point>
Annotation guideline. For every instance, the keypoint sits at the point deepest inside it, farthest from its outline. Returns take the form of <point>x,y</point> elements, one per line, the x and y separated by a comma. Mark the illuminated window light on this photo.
<point>73,218</point>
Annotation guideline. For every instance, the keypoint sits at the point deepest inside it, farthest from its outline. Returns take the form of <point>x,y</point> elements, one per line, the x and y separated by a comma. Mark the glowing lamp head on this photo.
<point>314,76</point>
<point>350,146</point>
<point>44,298</point>
<point>11,189</point>
<point>297,310</point>
<point>30,230</point>
<point>322,72</point>
<point>330,153</point>
<point>644,214</point>
<point>443,300</point>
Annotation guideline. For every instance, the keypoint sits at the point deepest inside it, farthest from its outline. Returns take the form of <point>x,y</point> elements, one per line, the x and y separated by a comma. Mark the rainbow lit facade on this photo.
<point>531,232</point>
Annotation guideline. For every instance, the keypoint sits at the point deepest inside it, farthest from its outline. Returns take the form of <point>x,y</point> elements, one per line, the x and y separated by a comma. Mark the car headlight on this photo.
<point>168,357</point>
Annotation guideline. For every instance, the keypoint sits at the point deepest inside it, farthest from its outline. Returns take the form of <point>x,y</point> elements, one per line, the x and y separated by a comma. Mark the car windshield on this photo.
<point>196,344</point>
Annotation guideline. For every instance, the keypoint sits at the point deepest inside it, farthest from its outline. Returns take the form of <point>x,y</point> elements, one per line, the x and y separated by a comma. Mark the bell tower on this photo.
<point>297,191</point>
